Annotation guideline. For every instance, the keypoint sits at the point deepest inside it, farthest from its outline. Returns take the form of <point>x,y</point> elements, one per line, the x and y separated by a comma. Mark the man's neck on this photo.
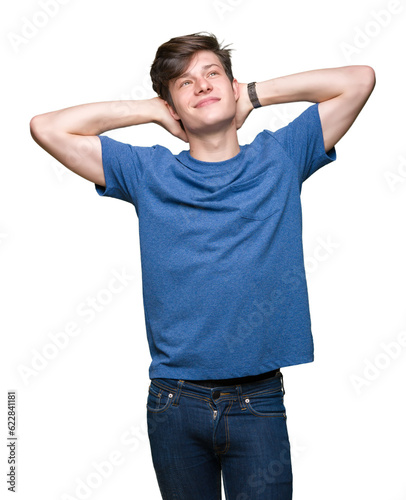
<point>216,147</point>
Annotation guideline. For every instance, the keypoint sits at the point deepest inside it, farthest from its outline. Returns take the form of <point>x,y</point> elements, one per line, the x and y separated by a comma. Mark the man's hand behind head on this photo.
<point>244,106</point>
<point>166,120</point>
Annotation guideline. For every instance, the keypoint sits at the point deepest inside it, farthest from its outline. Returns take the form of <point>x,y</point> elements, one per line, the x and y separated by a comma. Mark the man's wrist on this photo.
<point>265,93</point>
<point>252,94</point>
<point>157,110</point>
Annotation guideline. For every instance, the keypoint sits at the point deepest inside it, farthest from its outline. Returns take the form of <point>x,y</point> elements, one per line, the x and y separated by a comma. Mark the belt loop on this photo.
<point>239,392</point>
<point>178,392</point>
<point>282,385</point>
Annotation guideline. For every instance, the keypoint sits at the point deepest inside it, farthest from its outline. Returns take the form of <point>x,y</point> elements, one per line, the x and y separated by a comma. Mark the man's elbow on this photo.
<point>38,129</point>
<point>365,78</point>
<point>35,126</point>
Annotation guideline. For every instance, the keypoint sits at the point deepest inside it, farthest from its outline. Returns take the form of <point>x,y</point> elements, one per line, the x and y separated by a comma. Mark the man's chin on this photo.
<point>212,126</point>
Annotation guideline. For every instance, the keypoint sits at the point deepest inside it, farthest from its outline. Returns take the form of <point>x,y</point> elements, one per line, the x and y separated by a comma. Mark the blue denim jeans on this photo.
<point>197,433</point>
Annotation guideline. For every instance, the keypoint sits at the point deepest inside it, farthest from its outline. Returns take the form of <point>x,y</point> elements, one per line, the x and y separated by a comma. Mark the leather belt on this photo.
<point>235,381</point>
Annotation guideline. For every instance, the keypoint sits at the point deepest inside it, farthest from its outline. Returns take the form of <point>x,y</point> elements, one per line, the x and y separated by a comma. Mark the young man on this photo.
<point>224,285</point>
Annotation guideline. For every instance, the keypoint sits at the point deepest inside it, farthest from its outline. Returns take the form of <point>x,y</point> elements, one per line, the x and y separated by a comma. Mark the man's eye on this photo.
<point>184,84</point>
<point>213,73</point>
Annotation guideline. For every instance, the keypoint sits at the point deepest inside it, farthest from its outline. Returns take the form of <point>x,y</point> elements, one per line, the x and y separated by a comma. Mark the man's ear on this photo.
<point>172,111</point>
<point>236,89</point>
<point>174,114</point>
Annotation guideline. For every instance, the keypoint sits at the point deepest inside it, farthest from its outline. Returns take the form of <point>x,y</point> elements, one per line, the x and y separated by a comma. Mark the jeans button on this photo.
<point>216,394</point>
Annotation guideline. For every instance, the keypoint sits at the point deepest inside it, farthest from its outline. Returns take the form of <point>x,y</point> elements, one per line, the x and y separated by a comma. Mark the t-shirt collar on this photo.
<point>189,161</point>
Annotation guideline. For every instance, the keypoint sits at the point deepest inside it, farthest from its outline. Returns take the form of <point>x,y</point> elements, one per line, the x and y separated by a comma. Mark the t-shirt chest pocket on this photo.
<point>257,198</point>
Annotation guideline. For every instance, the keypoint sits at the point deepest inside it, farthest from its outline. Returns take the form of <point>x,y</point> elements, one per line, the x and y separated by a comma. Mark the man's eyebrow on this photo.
<point>204,68</point>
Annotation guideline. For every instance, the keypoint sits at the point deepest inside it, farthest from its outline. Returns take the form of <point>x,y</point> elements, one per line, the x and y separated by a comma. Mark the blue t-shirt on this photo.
<point>223,278</point>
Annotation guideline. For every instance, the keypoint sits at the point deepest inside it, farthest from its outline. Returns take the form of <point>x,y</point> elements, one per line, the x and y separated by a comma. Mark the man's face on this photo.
<point>203,96</point>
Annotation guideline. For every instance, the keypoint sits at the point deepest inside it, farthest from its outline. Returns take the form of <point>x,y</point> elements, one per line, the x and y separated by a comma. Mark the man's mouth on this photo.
<point>206,102</point>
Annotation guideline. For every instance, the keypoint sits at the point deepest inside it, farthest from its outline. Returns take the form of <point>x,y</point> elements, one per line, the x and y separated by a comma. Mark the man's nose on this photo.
<point>203,85</point>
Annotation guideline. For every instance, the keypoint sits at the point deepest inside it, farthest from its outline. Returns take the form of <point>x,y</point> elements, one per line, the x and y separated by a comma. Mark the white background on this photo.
<point>60,243</point>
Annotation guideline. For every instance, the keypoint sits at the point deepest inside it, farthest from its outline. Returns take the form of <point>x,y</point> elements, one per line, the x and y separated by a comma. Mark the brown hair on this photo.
<point>173,57</point>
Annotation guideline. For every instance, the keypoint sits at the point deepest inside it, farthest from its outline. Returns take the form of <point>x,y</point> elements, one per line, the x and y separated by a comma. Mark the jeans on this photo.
<point>197,433</point>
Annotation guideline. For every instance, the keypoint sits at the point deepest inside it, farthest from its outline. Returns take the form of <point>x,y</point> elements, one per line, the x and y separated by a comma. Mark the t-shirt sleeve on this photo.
<point>303,142</point>
<point>123,166</point>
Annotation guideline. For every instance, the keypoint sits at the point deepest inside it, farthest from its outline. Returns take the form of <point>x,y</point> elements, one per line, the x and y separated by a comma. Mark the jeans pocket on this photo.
<point>159,399</point>
<point>266,404</point>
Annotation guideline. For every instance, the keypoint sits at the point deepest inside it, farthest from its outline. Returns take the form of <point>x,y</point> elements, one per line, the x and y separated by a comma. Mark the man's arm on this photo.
<point>341,92</point>
<point>70,134</point>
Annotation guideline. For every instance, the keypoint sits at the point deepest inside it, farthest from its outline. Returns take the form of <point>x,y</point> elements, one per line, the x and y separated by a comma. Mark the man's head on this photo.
<point>173,57</point>
<point>189,70</point>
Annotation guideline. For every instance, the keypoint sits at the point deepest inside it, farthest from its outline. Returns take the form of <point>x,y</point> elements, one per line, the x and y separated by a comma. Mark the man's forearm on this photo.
<point>314,86</point>
<point>96,118</point>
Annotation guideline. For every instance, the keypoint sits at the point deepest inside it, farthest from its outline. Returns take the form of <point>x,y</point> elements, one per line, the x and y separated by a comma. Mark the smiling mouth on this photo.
<point>206,102</point>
